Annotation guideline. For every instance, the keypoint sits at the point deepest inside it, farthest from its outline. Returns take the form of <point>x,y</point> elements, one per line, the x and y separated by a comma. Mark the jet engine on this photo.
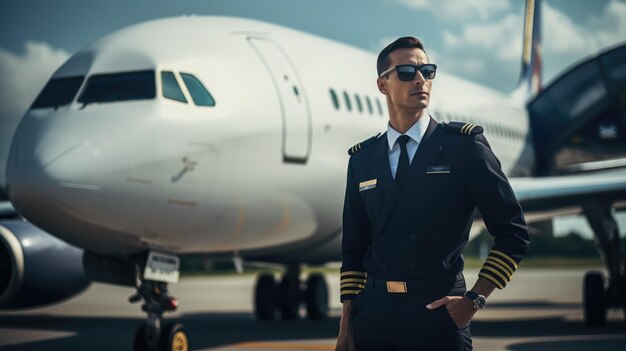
<point>36,268</point>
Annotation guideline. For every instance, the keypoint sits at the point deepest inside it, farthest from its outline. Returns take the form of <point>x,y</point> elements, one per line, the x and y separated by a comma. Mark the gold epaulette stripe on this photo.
<point>463,128</point>
<point>353,273</point>
<point>505,256</point>
<point>353,280</point>
<point>469,132</point>
<point>354,285</point>
<point>467,128</point>
<point>500,264</point>
<point>495,271</point>
<point>350,292</point>
<point>493,280</point>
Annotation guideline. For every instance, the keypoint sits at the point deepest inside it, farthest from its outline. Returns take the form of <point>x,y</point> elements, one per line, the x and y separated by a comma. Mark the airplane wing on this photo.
<point>540,194</point>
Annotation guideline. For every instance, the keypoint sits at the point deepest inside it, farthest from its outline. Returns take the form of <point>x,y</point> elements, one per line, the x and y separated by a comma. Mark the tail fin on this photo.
<point>530,78</point>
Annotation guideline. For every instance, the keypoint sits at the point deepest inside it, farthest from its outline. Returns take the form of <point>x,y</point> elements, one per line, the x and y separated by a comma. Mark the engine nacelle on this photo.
<point>36,268</point>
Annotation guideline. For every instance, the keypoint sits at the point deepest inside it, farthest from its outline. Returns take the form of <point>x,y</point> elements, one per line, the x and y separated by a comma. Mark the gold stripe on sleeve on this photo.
<point>494,261</point>
<point>497,273</point>
<point>350,292</point>
<point>353,273</point>
<point>502,254</point>
<point>493,280</point>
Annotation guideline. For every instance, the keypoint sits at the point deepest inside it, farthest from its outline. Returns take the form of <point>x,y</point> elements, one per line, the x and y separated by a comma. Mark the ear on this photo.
<point>381,82</point>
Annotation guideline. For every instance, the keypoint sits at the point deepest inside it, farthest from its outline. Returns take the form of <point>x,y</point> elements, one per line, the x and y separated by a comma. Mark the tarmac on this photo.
<point>540,309</point>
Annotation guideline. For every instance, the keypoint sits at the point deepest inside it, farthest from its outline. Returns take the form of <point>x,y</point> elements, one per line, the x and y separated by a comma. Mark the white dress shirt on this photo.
<point>415,133</point>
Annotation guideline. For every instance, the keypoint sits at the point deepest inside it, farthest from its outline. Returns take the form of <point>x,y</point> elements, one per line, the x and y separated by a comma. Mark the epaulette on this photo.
<point>463,128</point>
<point>360,146</point>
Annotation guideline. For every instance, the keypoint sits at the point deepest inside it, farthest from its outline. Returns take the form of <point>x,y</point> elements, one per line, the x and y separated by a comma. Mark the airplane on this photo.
<point>227,137</point>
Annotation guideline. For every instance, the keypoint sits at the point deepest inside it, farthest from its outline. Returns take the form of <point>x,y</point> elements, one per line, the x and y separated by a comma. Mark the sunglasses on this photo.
<point>408,72</point>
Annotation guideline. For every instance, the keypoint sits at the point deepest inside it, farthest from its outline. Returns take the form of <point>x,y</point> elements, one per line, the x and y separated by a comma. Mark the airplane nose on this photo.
<point>51,166</point>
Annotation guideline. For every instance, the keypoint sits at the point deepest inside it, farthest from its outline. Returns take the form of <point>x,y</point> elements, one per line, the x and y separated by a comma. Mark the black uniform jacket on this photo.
<point>420,231</point>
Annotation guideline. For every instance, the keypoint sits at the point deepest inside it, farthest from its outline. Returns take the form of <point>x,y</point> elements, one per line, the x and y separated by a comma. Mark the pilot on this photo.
<point>411,198</point>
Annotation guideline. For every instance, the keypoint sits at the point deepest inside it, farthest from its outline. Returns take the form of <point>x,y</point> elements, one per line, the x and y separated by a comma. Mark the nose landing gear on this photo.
<point>153,335</point>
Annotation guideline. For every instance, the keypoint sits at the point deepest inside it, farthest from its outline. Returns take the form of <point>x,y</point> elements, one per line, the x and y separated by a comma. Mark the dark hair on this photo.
<point>401,43</point>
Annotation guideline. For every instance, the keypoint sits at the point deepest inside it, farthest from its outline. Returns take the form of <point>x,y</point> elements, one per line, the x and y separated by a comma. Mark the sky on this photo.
<point>479,40</point>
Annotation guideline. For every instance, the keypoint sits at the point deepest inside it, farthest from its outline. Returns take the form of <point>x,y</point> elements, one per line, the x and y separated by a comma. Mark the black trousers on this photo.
<point>386,321</point>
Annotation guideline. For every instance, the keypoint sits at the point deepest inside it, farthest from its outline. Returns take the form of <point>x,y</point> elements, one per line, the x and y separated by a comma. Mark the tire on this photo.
<point>264,297</point>
<point>139,341</point>
<point>316,297</point>
<point>594,299</point>
<point>289,299</point>
<point>174,338</point>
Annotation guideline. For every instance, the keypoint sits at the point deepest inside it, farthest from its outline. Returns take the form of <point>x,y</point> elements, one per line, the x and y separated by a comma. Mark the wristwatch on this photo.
<point>479,300</point>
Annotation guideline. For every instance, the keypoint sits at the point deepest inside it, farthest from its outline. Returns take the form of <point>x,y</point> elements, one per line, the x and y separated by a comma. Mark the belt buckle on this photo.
<point>396,287</point>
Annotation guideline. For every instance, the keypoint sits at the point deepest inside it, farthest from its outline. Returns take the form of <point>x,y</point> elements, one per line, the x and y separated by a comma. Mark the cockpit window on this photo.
<point>198,92</point>
<point>171,89</point>
<point>58,92</point>
<point>111,87</point>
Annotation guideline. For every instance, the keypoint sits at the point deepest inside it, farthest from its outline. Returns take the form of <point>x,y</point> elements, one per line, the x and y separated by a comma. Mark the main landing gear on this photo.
<point>287,295</point>
<point>600,294</point>
<point>154,335</point>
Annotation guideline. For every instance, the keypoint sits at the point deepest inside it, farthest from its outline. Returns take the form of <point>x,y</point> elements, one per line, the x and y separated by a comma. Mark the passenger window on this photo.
<point>58,92</point>
<point>198,92</point>
<point>369,104</point>
<point>111,87</point>
<point>358,103</point>
<point>333,96</point>
<point>171,89</point>
<point>348,103</point>
<point>380,109</point>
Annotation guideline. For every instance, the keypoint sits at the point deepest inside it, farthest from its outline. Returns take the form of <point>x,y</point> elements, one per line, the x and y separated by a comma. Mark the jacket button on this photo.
<point>412,266</point>
<point>381,238</point>
<point>383,266</point>
<point>413,236</point>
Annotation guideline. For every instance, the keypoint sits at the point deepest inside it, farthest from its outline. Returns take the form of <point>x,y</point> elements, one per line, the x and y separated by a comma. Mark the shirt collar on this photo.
<point>416,132</point>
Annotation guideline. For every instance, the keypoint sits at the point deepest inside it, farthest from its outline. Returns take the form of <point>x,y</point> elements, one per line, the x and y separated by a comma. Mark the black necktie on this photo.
<point>403,161</point>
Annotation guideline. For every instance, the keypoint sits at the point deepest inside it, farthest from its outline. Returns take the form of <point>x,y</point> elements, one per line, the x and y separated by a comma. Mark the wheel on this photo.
<point>594,299</point>
<point>140,343</point>
<point>289,299</point>
<point>265,294</point>
<point>174,338</point>
<point>316,296</point>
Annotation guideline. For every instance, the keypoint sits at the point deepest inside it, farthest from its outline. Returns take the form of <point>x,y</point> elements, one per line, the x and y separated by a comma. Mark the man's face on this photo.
<point>408,95</point>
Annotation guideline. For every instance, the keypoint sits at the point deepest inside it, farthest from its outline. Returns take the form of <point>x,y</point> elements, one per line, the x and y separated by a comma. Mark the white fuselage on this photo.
<point>263,168</point>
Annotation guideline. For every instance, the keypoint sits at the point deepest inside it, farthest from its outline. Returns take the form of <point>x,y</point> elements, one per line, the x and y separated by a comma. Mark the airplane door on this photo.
<point>292,99</point>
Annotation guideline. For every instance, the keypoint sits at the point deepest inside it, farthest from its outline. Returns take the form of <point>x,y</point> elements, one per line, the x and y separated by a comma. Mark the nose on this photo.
<point>419,78</point>
<point>50,165</point>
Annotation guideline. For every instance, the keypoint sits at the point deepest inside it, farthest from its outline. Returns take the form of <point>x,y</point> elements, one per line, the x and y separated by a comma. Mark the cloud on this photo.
<point>502,37</point>
<point>453,10</point>
<point>23,77</point>
<point>474,28</point>
<point>610,27</point>
<point>561,34</point>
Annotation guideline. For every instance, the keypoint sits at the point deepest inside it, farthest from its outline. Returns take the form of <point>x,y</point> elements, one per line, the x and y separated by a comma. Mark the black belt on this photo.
<point>414,286</point>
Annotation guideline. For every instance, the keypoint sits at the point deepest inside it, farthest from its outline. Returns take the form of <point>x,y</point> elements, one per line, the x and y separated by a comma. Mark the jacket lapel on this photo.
<point>387,188</point>
<point>427,152</point>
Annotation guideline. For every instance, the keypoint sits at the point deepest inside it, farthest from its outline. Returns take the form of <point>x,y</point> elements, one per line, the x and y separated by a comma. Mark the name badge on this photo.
<point>370,184</point>
<point>438,170</point>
